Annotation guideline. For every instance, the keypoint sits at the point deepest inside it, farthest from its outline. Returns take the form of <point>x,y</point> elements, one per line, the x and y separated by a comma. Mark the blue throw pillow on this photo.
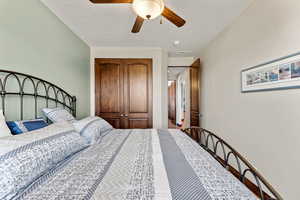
<point>19,127</point>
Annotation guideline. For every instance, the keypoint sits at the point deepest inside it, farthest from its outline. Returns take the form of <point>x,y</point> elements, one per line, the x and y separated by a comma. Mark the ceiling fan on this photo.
<point>147,10</point>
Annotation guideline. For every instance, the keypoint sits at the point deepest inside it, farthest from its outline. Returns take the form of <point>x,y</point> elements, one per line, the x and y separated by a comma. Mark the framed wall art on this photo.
<point>282,73</point>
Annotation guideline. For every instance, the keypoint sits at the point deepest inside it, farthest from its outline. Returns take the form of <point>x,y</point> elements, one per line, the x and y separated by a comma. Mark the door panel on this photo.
<point>138,88</point>
<point>195,92</point>
<point>109,90</point>
<point>124,92</point>
<point>138,123</point>
<point>138,93</point>
<point>116,123</point>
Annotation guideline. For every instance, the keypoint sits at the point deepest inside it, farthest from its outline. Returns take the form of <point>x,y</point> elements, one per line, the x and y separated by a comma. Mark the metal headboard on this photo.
<point>224,153</point>
<point>41,90</point>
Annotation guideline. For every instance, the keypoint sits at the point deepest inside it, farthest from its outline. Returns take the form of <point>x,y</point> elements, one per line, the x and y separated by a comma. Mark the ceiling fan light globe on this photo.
<point>148,9</point>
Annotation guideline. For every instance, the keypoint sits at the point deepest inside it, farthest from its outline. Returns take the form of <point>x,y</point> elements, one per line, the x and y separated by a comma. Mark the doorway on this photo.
<point>184,96</point>
<point>178,91</point>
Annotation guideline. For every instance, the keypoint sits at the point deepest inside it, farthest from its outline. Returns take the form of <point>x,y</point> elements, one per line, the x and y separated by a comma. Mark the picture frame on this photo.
<point>279,74</point>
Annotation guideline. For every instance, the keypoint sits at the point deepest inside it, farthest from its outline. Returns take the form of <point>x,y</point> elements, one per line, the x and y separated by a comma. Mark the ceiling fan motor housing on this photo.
<point>148,9</point>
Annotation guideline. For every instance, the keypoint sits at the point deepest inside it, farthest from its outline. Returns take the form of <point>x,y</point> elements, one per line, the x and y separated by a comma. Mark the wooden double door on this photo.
<point>124,92</point>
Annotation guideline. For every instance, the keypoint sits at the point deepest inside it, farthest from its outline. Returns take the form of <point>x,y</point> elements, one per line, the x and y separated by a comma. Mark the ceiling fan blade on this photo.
<point>173,17</point>
<point>137,25</point>
<point>111,1</point>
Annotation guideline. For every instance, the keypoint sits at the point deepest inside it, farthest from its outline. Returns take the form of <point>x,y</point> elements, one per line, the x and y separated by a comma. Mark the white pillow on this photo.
<point>26,157</point>
<point>58,115</point>
<point>92,128</point>
<point>4,130</point>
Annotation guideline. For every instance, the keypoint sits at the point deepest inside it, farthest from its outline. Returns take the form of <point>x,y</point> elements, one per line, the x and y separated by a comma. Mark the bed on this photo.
<point>132,164</point>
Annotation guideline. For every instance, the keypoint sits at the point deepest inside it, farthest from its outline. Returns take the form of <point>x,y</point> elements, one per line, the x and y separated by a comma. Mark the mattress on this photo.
<point>139,165</point>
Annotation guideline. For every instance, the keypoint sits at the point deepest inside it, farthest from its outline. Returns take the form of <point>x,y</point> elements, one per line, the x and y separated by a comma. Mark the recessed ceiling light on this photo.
<point>176,42</point>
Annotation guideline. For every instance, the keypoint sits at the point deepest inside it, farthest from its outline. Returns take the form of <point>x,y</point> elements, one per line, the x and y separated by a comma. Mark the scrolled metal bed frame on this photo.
<point>213,144</point>
<point>41,89</point>
<point>223,153</point>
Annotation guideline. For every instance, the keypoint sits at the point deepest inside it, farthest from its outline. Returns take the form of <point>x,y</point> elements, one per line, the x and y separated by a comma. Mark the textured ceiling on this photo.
<point>110,25</point>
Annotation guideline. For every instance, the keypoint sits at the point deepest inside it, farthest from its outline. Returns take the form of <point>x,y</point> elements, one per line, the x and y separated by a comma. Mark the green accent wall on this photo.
<point>34,41</point>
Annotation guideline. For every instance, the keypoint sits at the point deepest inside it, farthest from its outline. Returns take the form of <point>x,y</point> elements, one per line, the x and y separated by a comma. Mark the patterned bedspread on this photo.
<point>139,165</point>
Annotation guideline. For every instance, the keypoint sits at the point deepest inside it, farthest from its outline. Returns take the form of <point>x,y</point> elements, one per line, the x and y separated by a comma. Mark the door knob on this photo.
<point>122,115</point>
<point>126,115</point>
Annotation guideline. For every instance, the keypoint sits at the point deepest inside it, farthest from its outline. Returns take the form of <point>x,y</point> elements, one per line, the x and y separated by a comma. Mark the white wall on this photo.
<point>264,126</point>
<point>34,41</point>
<point>181,61</point>
<point>160,80</point>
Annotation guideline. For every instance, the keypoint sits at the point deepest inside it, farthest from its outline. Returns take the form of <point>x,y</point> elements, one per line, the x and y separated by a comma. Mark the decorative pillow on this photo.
<point>4,130</point>
<point>19,127</point>
<point>24,158</point>
<point>92,128</point>
<point>58,115</point>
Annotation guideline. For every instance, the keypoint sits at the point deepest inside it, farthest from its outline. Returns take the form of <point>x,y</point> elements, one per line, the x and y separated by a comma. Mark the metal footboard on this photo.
<point>240,167</point>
